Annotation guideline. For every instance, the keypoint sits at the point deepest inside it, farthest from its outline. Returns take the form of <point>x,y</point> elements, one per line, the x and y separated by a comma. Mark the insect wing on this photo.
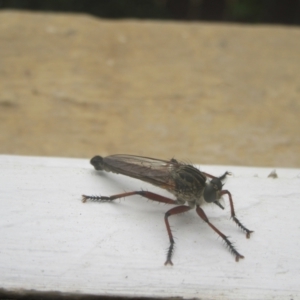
<point>154,171</point>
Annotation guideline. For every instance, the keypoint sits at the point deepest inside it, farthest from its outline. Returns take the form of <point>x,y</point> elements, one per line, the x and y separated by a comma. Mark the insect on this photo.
<point>188,184</point>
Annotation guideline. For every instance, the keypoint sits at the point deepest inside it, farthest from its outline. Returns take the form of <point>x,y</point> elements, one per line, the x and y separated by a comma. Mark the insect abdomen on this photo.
<point>97,162</point>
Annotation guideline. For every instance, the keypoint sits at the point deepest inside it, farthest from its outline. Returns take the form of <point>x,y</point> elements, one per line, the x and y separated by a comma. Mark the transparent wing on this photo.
<point>154,171</point>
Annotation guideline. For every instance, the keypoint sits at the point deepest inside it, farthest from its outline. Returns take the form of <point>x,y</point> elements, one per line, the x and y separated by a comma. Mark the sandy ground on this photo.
<point>75,86</point>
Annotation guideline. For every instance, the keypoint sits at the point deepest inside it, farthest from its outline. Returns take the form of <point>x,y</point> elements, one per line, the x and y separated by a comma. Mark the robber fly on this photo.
<point>188,184</point>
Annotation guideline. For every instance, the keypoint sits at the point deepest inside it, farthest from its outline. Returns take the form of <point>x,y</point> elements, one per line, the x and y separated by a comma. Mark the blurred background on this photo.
<point>204,81</point>
<point>247,11</point>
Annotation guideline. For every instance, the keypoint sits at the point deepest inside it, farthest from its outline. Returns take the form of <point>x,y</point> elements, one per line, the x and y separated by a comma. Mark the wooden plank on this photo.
<point>51,241</point>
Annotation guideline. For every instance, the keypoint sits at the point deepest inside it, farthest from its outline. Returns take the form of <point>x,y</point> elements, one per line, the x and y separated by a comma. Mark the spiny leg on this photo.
<point>173,211</point>
<point>223,192</point>
<point>149,195</point>
<point>235,219</point>
<point>203,216</point>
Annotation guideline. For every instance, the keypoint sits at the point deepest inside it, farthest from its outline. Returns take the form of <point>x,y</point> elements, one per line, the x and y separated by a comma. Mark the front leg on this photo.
<point>229,244</point>
<point>235,219</point>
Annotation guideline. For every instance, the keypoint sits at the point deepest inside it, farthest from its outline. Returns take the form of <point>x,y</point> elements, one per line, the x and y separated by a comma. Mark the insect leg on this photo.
<point>149,195</point>
<point>235,219</point>
<point>173,211</point>
<point>232,249</point>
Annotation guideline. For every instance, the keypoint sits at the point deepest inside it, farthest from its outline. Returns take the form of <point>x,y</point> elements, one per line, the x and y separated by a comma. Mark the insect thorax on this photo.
<point>189,184</point>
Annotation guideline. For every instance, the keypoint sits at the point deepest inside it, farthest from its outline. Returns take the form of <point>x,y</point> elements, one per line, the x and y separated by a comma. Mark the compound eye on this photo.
<point>210,193</point>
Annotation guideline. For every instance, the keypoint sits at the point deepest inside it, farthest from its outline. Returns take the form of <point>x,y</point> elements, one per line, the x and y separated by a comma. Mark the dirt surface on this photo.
<point>75,86</point>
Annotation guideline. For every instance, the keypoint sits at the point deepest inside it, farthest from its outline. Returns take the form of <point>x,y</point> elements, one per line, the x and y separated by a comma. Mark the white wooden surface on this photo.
<point>51,241</point>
